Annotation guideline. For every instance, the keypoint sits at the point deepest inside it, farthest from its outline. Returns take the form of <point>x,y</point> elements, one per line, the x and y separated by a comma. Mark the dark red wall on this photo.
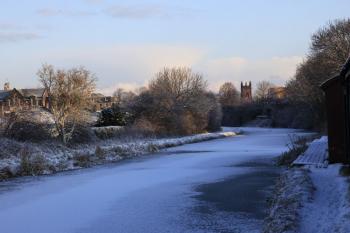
<point>336,119</point>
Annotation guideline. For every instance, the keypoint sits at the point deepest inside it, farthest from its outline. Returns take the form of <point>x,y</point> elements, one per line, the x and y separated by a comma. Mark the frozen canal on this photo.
<point>215,186</point>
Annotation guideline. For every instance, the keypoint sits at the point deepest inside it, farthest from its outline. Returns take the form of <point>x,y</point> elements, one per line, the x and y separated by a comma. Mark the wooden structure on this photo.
<point>337,94</point>
<point>316,154</point>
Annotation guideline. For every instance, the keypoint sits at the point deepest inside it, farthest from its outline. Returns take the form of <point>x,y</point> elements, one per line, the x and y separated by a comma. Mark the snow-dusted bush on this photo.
<point>293,189</point>
<point>83,159</point>
<point>32,164</point>
<point>29,126</point>
<point>107,131</point>
<point>83,134</point>
<point>100,153</point>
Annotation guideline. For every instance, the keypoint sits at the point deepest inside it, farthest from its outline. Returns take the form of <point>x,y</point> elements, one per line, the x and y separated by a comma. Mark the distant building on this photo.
<point>277,93</point>
<point>37,97</point>
<point>246,92</point>
<point>12,100</point>
<point>100,102</point>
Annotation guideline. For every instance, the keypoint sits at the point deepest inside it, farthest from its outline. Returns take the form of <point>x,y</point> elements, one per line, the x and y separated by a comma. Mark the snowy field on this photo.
<point>146,194</point>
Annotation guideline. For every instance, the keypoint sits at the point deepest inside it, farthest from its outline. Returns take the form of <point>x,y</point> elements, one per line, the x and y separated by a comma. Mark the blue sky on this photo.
<point>125,42</point>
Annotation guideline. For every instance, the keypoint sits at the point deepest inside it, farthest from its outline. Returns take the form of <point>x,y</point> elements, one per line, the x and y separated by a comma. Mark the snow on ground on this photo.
<point>147,194</point>
<point>293,189</point>
<point>312,198</point>
<point>330,209</point>
<point>56,157</point>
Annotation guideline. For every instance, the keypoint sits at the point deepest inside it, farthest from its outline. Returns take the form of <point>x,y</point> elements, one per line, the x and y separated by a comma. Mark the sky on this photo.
<point>125,42</point>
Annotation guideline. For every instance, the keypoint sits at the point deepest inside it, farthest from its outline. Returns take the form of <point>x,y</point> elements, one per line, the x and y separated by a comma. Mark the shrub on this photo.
<point>32,164</point>
<point>82,134</point>
<point>82,160</point>
<point>22,126</point>
<point>114,116</point>
<point>143,127</point>
<point>100,153</point>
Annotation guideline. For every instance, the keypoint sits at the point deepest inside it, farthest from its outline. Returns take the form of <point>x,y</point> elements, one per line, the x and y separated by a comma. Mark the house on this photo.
<point>11,101</point>
<point>100,102</point>
<point>37,97</point>
<point>337,93</point>
<point>276,93</point>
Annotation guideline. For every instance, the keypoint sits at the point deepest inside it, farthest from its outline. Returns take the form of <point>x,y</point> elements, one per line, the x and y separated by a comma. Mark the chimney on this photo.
<point>7,86</point>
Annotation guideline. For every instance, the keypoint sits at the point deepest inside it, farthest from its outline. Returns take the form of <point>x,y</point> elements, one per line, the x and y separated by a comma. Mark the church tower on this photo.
<point>246,92</point>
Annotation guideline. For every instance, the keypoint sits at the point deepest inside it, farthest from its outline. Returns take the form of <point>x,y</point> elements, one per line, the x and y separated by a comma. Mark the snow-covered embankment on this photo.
<point>20,158</point>
<point>314,198</point>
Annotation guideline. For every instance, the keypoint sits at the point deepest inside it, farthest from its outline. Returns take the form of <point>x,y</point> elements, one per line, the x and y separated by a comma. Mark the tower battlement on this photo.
<point>246,92</point>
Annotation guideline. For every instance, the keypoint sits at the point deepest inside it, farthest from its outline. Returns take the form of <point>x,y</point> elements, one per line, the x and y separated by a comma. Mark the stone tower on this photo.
<point>246,92</point>
<point>7,86</point>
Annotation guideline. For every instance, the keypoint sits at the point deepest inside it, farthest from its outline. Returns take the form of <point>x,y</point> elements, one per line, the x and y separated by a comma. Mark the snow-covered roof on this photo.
<point>4,94</point>
<point>37,92</point>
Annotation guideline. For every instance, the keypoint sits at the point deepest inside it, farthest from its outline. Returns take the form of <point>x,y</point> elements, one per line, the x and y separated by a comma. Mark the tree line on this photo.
<point>329,50</point>
<point>177,100</point>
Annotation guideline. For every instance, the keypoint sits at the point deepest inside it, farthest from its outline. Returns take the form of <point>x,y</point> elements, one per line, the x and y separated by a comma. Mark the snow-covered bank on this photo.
<point>329,210</point>
<point>17,158</point>
<point>314,198</point>
<point>293,189</point>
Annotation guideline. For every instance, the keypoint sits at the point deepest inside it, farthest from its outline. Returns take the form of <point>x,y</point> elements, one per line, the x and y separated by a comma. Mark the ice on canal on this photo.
<point>213,186</point>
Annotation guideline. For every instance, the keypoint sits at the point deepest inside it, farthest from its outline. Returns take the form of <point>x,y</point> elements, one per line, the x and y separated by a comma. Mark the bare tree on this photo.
<point>123,97</point>
<point>180,84</point>
<point>176,102</point>
<point>262,90</point>
<point>46,76</point>
<point>330,48</point>
<point>70,93</point>
<point>228,95</point>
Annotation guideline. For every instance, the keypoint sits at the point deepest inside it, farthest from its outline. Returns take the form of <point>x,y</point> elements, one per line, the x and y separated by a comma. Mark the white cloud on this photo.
<point>145,11</point>
<point>48,12</point>
<point>17,36</point>
<point>125,86</point>
<point>10,26</point>
<point>130,66</point>
<point>93,1</point>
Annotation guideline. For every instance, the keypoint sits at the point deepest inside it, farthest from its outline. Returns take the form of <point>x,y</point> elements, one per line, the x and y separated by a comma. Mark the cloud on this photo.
<point>93,1</point>
<point>125,86</point>
<point>10,26</point>
<point>17,36</point>
<point>12,32</point>
<point>132,65</point>
<point>145,11</point>
<point>49,12</point>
